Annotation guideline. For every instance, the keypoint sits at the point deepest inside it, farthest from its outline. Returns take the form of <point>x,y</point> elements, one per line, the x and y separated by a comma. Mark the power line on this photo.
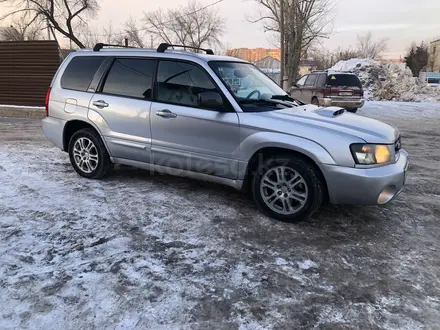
<point>160,23</point>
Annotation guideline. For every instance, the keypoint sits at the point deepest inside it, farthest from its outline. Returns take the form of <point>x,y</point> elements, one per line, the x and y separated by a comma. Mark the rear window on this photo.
<point>343,80</point>
<point>80,71</point>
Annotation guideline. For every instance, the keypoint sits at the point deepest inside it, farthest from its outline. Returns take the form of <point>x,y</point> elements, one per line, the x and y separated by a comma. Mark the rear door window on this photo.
<point>321,80</point>
<point>350,80</point>
<point>80,71</point>
<point>310,82</point>
<point>131,77</point>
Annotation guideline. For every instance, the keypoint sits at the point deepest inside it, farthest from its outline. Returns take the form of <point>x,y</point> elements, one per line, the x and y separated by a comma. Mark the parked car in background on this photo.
<point>219,119</point>
<point>330,88</point>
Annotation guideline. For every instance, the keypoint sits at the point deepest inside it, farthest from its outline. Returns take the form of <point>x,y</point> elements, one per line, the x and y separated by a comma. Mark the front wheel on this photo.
<point>88,154</point>
<point>287,188</point>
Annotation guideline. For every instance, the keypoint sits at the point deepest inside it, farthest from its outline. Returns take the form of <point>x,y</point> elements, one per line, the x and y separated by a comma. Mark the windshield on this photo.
<point>248,84</point>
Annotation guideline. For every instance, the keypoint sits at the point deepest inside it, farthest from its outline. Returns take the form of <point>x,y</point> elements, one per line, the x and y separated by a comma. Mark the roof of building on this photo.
<point>308,63</point>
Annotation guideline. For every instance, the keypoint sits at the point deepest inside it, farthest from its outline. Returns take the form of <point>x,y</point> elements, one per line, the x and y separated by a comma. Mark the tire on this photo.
<point>353,110</point>
<point>78,151</point>
<point>315,101</point>
<point>309,185</point>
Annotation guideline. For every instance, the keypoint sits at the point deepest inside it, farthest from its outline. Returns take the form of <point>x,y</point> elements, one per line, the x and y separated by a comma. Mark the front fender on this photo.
<point>257,141</point>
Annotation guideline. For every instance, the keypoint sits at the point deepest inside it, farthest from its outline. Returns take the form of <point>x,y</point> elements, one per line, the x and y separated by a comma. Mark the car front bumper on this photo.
<point>372,186</point>
<point>342,103</point>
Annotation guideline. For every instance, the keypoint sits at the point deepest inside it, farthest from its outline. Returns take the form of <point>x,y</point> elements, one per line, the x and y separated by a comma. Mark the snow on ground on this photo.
<point>148,251</point>
<point>21,107</point>
<point>389,81</point>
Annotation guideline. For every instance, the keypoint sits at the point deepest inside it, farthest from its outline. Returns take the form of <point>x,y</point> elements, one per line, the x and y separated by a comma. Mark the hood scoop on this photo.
<point>330,112</point>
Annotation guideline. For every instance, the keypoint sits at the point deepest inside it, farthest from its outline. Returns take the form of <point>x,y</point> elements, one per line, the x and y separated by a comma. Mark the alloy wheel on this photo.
<point>283,190</point>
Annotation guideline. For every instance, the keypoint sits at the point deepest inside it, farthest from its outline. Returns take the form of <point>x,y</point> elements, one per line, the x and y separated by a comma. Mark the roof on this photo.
<point>330,72</point>
<point>268,62</point>
<point>308,63</point>
<point>152,52</point>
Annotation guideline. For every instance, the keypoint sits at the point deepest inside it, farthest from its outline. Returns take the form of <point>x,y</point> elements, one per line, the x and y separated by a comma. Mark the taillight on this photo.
<point>47,101</point>
<point>327,91</point>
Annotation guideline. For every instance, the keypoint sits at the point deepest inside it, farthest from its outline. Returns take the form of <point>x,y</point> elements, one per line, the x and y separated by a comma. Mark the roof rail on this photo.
<point>164,46</point>
<point>100,46</point>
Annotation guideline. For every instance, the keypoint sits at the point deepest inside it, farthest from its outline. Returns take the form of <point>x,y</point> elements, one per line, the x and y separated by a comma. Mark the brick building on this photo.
<point>254,54</point>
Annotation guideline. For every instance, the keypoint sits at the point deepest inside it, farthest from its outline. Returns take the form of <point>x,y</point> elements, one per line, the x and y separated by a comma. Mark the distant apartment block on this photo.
<point>254,54</point>
<point>434,56</point>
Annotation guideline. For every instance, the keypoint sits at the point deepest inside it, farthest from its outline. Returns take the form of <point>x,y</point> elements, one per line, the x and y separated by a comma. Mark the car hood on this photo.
<point>333,119</point>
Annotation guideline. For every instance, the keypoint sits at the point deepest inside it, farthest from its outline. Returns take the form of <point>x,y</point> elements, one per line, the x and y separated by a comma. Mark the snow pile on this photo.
<point>389,81</point>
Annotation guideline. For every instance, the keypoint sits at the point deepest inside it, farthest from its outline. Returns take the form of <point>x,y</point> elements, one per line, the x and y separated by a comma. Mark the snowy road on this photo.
<point>156,252</point>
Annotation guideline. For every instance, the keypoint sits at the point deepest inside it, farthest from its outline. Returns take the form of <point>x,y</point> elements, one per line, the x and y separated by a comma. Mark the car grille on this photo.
<point>398,145</point>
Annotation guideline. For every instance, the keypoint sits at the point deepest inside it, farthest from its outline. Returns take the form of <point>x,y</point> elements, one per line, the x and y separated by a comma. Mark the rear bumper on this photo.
<point>342,103</point>
<point>379,185</point>
<point>53,129</point>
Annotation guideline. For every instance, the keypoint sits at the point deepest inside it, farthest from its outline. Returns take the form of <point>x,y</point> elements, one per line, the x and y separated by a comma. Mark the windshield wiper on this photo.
<point>249,101</point>
<point>284,97</point>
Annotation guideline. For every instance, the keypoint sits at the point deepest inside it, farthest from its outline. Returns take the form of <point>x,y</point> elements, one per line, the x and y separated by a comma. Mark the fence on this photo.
<point>26,70</point>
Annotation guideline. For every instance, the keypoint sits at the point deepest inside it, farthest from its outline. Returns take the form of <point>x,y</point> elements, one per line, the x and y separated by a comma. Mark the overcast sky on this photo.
<point>402,21</point>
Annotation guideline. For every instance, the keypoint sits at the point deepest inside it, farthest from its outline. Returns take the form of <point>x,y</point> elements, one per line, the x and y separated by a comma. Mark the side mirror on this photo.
<point>295,85</point>
<point>210,100</point>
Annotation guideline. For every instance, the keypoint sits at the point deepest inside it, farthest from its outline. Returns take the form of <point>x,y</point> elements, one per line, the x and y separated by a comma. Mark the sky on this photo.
<point>400,21</point>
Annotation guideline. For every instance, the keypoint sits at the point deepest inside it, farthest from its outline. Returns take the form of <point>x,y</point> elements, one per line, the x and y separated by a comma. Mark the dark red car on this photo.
<point>330,88</point>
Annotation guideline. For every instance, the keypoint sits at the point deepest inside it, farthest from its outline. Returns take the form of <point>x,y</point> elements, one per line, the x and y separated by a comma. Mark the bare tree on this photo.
<point>300,22</point>
<point>192,25</point>
<point>21,29</point>
<point>327,59</point>
<point>368,48</point>
<point>63,15</point>
<point>134,33</point>
<point>107,35</point>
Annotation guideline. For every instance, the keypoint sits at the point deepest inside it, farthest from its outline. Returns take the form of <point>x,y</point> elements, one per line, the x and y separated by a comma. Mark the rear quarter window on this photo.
<point>343,80</point>
<point>80,71</point>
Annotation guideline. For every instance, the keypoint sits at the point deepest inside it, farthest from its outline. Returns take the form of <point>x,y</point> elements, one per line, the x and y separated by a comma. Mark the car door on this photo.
<point>185,136</point>
<point>309,88</point>
<point>320,86</point>
<point>123,102</point>
<point>296,91</point>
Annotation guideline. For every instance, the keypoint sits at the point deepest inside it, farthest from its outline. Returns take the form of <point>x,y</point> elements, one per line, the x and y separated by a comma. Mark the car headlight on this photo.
<point>369,154</point>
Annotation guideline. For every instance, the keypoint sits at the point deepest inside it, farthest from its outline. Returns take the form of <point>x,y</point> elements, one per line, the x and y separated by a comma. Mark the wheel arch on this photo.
<point>73,126</point>
<point>263,153</point>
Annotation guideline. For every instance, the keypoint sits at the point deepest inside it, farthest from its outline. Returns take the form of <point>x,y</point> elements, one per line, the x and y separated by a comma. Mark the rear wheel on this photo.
<point>353,110</point>
<point>287,188</point>
<point>88,154</point>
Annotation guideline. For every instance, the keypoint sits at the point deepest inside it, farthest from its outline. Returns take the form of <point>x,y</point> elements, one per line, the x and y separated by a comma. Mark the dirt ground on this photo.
<point>157,252</point>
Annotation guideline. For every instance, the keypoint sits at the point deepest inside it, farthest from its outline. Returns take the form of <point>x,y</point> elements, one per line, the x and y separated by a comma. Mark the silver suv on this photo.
<point>219,119</point>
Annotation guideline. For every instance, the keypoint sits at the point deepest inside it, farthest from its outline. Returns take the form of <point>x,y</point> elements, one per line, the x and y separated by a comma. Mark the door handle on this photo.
<point>166,114</point>
<point>100,104</point>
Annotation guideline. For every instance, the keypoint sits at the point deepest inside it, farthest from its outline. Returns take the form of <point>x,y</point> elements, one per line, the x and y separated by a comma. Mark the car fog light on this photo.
<point>386,195</point>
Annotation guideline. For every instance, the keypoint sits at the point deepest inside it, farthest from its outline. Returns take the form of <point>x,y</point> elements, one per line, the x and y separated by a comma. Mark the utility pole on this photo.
<point>151,40</point>
<point>283,59</point>
<point>48,29</point>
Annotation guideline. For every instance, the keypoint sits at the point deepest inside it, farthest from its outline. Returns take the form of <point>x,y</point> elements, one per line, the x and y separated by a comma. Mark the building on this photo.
<point>271,67</point>
<point>254,54</point>
<point>307,66</point>
<point>434,56</point>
